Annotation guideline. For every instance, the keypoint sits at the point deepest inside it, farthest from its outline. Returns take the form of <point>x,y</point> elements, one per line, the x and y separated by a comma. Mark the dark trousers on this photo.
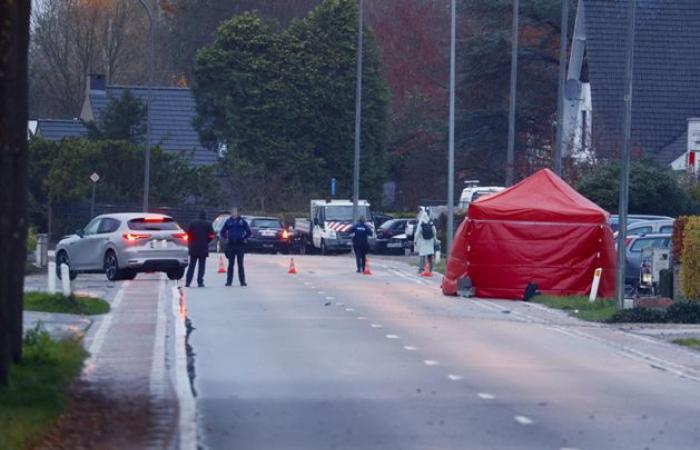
<point>200,261</point>
<point>234,254</point>
<point>360,257</point>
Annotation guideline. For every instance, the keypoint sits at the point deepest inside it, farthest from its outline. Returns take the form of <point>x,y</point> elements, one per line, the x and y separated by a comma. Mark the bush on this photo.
<point>683,312</point>
<point>637,315</point>
<point>31,240</point>
<point>690,259</point>
<point>58,303</point>
<point>677,237</point>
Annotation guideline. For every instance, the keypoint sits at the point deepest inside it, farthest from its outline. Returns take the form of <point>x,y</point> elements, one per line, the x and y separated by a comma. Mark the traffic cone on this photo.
<point>292,268</point>
<point>426,269</point>
<point>367,270</point>
<point>222,269</point>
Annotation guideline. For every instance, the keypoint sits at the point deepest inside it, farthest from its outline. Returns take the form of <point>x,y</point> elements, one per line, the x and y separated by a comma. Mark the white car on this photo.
<point>122,245</point>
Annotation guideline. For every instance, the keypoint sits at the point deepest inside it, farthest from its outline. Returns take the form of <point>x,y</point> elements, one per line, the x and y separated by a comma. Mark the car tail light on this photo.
<point>131,237</point>
<point>627,241</point>
<point>285,234</point>
<point>181,236</point>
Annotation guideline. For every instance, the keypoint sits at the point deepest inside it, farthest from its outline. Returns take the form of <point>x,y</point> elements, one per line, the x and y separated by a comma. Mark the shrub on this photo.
<point>683,312</point>
<point>690,259</point>
<point>637,315</point>
<point>677,237</point>
<point>31,240</point>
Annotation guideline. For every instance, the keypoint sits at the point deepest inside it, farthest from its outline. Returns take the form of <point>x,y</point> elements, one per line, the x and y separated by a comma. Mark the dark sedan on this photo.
<point>268,235</point>
<point>391,236</point>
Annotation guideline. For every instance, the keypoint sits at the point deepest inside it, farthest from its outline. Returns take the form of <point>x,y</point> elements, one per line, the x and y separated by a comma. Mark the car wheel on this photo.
<point>302,246</point>
<point>324,250</point>
<point>62,258</point>
<point>129,274</point>
<point>176,274</point>
<point>111,267</point>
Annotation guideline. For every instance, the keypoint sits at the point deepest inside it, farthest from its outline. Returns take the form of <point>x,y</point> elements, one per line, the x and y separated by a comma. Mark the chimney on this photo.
<point>97,82</point>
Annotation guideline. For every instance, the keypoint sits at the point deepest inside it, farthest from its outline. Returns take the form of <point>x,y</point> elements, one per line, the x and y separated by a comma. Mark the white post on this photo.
<point>52,277</point>
<point>596,284</point>
<point>65,280</point>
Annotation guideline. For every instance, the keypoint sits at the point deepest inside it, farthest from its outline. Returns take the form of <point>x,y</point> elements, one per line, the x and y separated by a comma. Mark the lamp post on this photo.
<point>151,59</point>
<point>510,156</point>
<point>451,139</point>
<point>358,115</point>
<point>626,137</point>
<point>563,41</point>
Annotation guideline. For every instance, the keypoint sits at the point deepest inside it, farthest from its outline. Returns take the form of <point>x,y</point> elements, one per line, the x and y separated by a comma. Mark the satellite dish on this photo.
<point>572,89</point>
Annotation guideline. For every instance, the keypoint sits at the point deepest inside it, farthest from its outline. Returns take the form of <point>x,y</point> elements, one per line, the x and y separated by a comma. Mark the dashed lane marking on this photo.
<point>391,336</point>
<point>361,318</point>
<point>330,298</point>
<point>321,293</point>
<point>485,396</point>
<point>409,347</point>
<point>375,325</point>
<point>349,309</point>
<point>454,377</point>
<point>523,420</point>
<point>340,304</point>
<point>430,362</point>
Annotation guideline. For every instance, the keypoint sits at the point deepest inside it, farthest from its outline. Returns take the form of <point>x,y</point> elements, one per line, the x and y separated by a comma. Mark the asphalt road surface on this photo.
<point>331,359</point>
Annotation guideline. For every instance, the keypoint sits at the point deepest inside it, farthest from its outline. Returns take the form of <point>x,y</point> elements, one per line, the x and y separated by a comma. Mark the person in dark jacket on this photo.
<point>199,234</point>
<point>360,242</point>
<point>236,232</point>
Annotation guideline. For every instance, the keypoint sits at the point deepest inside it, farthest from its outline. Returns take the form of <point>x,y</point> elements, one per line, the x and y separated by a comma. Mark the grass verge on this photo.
<point>37,390</point>
<point>58,303</point>
<point>688,342</point>
<point>599,311</point>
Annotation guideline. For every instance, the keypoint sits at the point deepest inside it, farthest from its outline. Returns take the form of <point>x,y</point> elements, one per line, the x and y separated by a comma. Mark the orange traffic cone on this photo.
<point>426,269</point>
<point>367,270</point>
<point>292,268</point>
<point>222,269</point>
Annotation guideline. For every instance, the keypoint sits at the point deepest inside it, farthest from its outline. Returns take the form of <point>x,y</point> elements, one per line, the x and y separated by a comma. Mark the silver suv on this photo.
<point>122,245</point>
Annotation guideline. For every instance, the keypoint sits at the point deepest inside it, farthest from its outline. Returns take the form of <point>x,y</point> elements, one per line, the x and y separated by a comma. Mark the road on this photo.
<point>330,359</point>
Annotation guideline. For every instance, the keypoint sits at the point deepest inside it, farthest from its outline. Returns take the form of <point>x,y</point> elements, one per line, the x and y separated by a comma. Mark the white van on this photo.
<point>472,193</point>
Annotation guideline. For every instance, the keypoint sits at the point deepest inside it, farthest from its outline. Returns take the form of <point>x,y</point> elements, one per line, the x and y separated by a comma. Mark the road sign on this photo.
<point>94,177</point>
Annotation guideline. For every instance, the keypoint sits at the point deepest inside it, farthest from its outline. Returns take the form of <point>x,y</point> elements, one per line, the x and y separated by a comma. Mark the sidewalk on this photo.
<point>125,398</point>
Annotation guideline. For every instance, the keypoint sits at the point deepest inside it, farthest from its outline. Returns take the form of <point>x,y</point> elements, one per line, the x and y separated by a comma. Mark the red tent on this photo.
<point>539,231</point>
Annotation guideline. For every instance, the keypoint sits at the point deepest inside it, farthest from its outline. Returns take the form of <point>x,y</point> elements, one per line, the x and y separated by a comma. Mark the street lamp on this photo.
<point>358,115</point>
<point>626,137</point>
<point>151,59</point>
<point>510,156</point>
<point>451,144</point>
<point>563,41</point>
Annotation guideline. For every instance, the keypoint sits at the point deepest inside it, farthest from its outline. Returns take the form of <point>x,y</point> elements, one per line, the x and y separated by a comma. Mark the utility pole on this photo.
<point>510,157</point>
<point>626,137</point>
<point>358,115</point>
<point>451,150</point>
<point>561,104</point>
<point>151,61</point>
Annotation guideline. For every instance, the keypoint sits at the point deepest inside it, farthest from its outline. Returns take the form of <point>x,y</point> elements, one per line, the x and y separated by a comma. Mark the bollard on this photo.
<point>596,284</point>
<point>65,280</point>
<point>52,277</point>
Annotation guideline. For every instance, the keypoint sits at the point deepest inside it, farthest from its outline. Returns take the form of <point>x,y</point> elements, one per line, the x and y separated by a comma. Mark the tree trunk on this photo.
<point>14,43</point>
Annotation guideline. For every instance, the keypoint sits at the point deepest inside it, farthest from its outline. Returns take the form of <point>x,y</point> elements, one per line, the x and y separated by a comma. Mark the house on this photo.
<point>666,83</point>
<point>56,129</point>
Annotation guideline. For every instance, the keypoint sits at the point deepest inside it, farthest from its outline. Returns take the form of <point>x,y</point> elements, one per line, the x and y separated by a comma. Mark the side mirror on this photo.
<point>80,233</point>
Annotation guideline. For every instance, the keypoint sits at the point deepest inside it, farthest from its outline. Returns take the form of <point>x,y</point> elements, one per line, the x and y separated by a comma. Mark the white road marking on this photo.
<point>340,304</point>
<point>349,309</point>
<point>376,325</point>
<point>485,396</point>
<point>391,336</point>
<point>361,318</point>
<point>430,362</point>
<point>98,340</point>
<point>454,377</point>
<point>321,292</point>
<point>409,347</point>
<point>330,298</point>
<point>568,448</point>
<point>523,420</point>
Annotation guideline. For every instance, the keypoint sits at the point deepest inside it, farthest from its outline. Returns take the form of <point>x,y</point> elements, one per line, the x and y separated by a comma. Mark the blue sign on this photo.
<point>333,183</point>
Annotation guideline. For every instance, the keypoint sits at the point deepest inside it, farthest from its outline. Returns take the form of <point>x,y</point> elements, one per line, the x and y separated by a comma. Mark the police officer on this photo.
<point>236,232</point>
<point>360,243</point>
<point>199,234</point>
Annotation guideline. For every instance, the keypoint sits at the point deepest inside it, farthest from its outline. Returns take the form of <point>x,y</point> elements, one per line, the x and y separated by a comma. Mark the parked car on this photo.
<point>410,228</point>
<point>651,226</point>
<point>633,218</point>
<point>122,245</point>
<point>634,249</point>
<point>391,236</point>
<point>269,235</point>
<point>217,225</point>
<point>380,219</point>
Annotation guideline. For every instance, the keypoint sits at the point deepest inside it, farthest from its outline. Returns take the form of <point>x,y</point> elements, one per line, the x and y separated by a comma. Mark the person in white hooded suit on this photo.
<point>424,238</point>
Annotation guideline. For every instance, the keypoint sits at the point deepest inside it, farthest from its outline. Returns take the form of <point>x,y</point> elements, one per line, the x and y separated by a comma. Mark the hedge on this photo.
<point>677,237</point>
<point>690,259</point>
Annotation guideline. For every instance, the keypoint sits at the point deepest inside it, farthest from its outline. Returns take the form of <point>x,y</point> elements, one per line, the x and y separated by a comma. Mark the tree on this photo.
<point>282,103</point>
<point>14,45</point>
<point>653,189</point>
<point>123,119</point>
